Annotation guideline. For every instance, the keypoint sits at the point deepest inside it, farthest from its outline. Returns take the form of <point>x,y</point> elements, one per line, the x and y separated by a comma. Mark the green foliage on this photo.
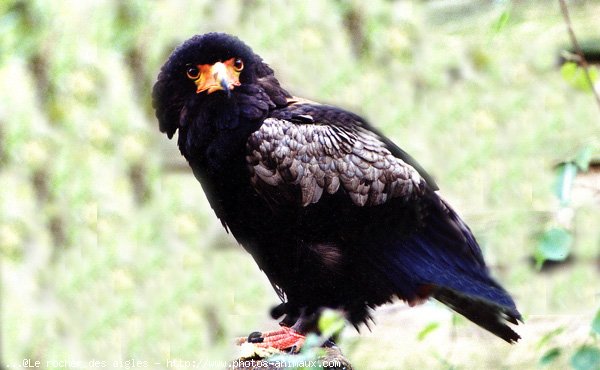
<point>576,77</point>
<point>546,338</point>
<point>586,358</point>
<point>428,329</point>
<point>554,245</point>
<point>502,21</point>
<point>566,175</point>
<point>331,323</point>
<point>550,356</point>
<point>584,157</point>
<point>596,323</point>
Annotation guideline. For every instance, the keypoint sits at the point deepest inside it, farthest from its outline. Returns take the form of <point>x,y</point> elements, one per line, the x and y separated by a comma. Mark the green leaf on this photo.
<point>596,323</point>
<point>586,358</point>
<point>564,183</point>
<point>555,244</point>
<point>550,356</point>
<point>575,76</point>
<point>584,157</point>
<point>569,70</point>
<point>427,329</point>
<point>502,21</point>
<point>312,341</point>
<point>331,323</point>
<point>546,338</point>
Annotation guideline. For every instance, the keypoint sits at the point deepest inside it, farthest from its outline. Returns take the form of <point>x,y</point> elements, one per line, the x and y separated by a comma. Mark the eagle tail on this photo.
<point>444,261</point>
<point>484,313</point>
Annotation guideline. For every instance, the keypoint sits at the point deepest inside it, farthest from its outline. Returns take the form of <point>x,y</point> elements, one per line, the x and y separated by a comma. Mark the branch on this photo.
<point>578,51</point>
<point>333,359</point>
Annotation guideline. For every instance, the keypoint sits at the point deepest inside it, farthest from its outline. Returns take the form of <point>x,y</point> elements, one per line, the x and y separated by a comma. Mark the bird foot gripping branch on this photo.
<point>284,339</point>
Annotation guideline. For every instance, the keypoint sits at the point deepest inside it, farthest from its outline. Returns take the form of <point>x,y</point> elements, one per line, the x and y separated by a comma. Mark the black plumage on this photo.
<point>332,211</point>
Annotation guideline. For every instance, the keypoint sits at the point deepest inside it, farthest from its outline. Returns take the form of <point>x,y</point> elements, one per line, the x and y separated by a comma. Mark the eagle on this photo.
<point>335,214</point>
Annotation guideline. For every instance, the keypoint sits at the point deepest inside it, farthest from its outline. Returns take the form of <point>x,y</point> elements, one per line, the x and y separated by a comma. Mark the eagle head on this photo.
<point>208,66</point>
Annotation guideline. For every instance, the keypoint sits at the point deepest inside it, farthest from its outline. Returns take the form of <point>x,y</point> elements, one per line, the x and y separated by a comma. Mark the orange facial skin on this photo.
<point>219,76</point>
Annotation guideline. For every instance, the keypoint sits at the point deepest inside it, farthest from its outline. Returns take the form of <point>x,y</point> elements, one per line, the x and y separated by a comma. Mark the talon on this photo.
<point>255,337</point>
<point>329,343</point>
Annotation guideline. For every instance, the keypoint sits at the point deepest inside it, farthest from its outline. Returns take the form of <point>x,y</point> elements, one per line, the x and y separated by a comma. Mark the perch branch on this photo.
<point>333,357</point>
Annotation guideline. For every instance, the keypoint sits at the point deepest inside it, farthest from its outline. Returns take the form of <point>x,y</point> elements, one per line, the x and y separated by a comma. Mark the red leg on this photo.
<point>281,339</point>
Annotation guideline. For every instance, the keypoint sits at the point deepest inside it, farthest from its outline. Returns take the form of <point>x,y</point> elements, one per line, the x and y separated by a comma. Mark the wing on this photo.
<point>305,158</point>
<point>330,115</point>
<point>307,151</point>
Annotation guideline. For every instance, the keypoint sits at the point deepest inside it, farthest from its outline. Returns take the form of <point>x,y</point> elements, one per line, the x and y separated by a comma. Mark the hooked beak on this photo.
<point>219,76</point>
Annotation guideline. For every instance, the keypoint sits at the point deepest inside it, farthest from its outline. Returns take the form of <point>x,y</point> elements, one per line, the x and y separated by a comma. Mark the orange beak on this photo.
<point>219,76</point>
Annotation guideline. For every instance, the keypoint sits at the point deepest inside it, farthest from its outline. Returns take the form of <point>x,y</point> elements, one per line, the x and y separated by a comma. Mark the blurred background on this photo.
<point>110,252</point>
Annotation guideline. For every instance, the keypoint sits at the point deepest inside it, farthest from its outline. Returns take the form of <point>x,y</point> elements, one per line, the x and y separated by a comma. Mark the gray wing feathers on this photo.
<point>324,158</point>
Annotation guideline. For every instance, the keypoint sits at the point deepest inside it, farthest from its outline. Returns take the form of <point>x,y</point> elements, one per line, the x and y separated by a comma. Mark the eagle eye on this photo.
<point>192,72</point>
<point>238,65</point>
